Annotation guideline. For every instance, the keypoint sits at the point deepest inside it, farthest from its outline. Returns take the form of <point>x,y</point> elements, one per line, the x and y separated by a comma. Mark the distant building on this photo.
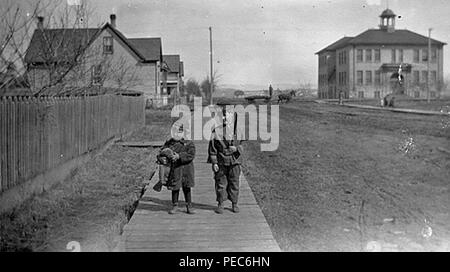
<point>381,61</point>
<point>137,60</point>
<point>172,79</point>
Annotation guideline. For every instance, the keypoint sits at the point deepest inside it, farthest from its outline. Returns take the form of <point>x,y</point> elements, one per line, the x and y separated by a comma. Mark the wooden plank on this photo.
<point>152,229</point>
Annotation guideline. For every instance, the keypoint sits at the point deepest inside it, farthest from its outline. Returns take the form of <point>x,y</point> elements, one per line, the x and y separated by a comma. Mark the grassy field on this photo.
<point>353,180</point>
<point>93,205</point>
<point>434,105</point>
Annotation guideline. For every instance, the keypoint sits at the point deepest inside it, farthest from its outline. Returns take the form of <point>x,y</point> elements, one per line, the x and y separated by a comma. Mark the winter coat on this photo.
<point>182,171</point>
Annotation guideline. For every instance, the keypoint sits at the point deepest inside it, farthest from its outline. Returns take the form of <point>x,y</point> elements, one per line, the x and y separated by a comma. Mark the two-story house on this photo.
<point>94,56</point>
<point>381,61</point>
<point>172,77</point>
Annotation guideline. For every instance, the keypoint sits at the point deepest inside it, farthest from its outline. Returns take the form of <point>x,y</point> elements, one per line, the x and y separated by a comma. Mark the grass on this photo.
<point>442,104</point>
<point>90,207</point>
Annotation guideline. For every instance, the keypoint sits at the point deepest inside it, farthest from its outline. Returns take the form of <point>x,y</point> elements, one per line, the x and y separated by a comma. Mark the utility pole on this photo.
<point>211,89</point>
<point>428,64</point>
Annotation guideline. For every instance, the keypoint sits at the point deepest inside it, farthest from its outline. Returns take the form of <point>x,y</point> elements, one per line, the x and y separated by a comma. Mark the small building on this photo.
<point>80,57</point>
<point>172,79</point>
<point>381,61</point>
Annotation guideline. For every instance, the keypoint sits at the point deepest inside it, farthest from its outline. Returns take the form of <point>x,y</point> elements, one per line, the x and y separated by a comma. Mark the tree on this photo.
<point>16,25</point>
<point>192,88</point>
<point>239,93</point>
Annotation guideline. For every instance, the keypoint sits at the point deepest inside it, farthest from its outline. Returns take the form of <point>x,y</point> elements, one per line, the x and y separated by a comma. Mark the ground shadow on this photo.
<point>164,205</point>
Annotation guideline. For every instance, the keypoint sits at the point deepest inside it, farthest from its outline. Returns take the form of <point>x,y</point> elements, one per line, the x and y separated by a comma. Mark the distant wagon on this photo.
<point>251,99</point>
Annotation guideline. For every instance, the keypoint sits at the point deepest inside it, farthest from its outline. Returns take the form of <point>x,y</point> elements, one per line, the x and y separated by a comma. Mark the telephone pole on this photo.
<point>428,64</point>
<point>211,88</point>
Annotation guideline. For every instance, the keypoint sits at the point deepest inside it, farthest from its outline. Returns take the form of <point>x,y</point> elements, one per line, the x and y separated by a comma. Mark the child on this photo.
<point>164,160</point>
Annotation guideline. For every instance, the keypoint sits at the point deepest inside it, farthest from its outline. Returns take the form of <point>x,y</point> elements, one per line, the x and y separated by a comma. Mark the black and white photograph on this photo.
<point>224,126</point>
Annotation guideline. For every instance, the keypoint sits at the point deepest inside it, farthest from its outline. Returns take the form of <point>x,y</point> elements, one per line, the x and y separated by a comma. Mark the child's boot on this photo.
<point>219,209</point>
<point>174,209</point>
<point>235,208</point>
<point>189,208</point>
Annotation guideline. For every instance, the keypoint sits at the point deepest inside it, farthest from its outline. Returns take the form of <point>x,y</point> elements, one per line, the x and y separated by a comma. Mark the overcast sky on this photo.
<point>257,42</point>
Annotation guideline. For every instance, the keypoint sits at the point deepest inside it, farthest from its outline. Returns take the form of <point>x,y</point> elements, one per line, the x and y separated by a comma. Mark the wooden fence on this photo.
<point>37,135</point>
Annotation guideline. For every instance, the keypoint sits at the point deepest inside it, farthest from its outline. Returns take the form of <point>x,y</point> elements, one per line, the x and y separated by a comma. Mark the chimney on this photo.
<point>40,22</point>
<point>113,20</point>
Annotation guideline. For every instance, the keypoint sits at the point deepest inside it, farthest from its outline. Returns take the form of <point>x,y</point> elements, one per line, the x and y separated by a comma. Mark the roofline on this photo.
<point>124,40</point>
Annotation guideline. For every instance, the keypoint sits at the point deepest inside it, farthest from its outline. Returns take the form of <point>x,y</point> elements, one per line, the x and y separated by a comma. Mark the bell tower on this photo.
<point>387,21</point>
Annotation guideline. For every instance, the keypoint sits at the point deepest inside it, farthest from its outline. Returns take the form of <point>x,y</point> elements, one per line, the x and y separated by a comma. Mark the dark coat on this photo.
<point>219,153</point>
<point>182,171</point>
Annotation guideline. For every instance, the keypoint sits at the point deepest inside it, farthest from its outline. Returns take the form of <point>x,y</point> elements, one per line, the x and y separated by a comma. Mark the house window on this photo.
<point>368,77</point>
<point>368,55</point>
<point>97,74</point>
<point>434,54</point>
<point>416,55</point>
<point>400,55</point>
<point>393,56</point>
<point>359,55</point>
<point>360,94</point>
<point>433,94</point>
<point>424,54</point>
<point>425,76</point>
<point>377,77</point>
<point>416,77</point>
<point>108,45</point>
<point>377,94</point>
<point>416,94</point>
<point>359,77</point>
<point>377,55</point>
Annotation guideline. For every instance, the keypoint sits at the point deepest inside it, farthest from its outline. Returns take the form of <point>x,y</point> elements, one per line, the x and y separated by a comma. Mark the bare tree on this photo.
<point>16,26</point>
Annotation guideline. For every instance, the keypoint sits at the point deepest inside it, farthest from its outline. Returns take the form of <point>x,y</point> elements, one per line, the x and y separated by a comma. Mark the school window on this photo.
<point>416,94</point>
<point>360,94</point>
<point>377,54</point>
<point>433,77</point>
<point>359,77</point>
<point>368,77</point>
<point>108,45</point>
<point>434,54</point>
<point>433,94</point>
<point>97,74</point>
<point>416,55</point>
<point>393,56</point>
<point>416,77</point>
<point>345,57</point>
<point>425,76</point>
<point>377,77</point>
<point>368,55</point>
<point>400,55</point>
<point>424,54</point>
<point>377,94</point>
<point>359,55</point>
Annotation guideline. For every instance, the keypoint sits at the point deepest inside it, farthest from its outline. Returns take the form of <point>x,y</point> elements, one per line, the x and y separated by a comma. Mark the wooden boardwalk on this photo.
<point>151,228</point>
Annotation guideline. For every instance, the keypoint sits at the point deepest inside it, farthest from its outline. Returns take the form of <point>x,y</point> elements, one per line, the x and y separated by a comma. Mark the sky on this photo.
<point>262,42</point>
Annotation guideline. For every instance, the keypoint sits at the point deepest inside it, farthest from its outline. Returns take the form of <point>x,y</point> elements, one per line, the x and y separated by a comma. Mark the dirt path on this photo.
<point>350,180</point>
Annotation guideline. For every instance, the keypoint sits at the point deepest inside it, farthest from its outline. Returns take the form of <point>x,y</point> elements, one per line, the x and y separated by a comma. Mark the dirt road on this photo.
<point>355,180</point>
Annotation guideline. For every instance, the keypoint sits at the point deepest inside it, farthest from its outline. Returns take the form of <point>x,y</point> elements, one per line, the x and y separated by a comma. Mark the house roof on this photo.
<point>173,61</point>
<point>149,48</point>
<point>382,37</point>
<point>67,43</point>
<point>50,45</point>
